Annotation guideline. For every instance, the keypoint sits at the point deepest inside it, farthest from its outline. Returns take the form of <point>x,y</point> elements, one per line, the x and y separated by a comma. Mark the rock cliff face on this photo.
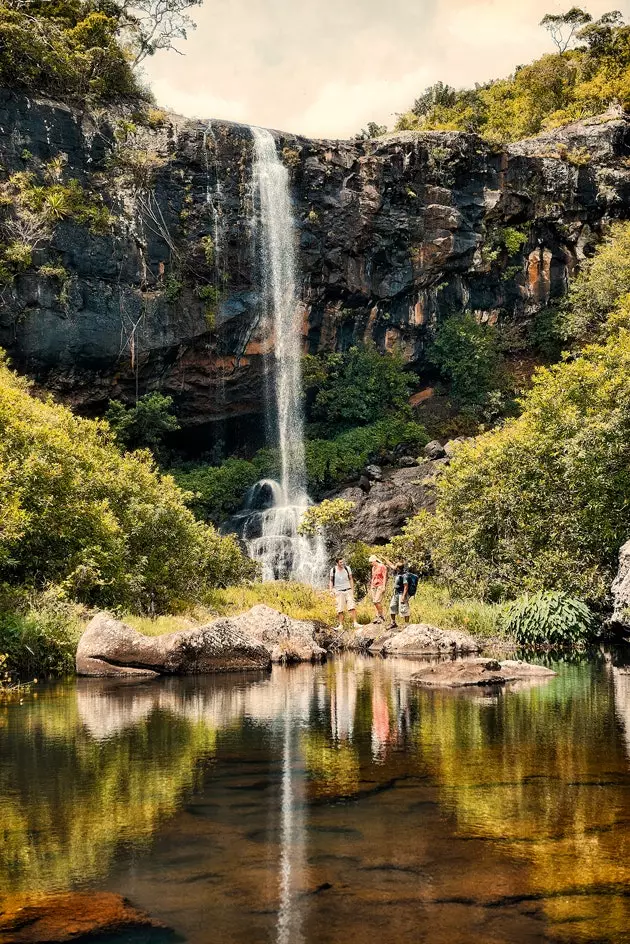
<point>393,234</point>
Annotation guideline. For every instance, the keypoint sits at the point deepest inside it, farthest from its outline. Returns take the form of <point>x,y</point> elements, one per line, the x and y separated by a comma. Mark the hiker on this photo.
<point>405,586</point>
<point>341,583</point>
<point>378,583</point>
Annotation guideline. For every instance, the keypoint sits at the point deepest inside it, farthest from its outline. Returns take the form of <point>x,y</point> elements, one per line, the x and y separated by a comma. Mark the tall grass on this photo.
<point>432,604</point>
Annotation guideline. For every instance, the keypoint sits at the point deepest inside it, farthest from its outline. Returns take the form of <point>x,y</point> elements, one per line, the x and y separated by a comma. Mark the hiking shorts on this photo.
<point>397,607</point>
<point>344,600</point>
<point>377,594</point>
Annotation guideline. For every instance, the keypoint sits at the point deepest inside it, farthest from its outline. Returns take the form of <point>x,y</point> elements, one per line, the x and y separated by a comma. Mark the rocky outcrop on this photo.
<point>75,916</point>
<point>393,234</point>
<point>109,647</point>
<point>479,672</point>
<point>422,639</point>
<point>251,640</point>
<point>621,590</point>
<point>287,640</point>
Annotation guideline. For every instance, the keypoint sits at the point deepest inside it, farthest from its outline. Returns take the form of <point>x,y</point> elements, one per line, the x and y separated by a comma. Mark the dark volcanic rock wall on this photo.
<point>393,234</point>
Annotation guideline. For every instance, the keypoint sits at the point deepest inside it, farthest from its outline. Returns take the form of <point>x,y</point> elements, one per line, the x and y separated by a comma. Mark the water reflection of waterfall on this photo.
<point>271,517</point>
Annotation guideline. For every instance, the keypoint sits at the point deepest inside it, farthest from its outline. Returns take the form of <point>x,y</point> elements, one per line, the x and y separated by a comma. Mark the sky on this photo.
<point>326,68</point>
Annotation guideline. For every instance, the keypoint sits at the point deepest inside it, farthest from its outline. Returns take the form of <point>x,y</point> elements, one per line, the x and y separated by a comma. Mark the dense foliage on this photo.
<point>85,48</point>
<point>218,491</point>
<point>354,388</point>
<point>144,425</point>
<point>468,356</point>
<point>549,618</point>
<point>571,84</point>
<point>103,526</point>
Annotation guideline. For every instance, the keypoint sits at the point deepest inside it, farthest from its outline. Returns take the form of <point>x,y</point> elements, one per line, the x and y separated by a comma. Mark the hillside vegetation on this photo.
<point>543,501</point>
<point>590,71</point>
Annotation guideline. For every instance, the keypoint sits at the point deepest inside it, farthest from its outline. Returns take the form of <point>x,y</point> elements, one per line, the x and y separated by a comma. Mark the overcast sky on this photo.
<point>325,68</point>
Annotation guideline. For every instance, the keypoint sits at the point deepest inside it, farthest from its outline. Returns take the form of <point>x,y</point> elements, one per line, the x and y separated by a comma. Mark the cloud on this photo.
<point>325,69</point>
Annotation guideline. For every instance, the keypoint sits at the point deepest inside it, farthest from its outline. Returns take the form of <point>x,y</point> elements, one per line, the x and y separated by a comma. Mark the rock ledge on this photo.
<point>480,672</point>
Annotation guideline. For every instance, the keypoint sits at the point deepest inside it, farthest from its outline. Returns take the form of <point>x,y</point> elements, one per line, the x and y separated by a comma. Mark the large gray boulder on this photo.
<point>479,672</point>
<point>621,589</point>
<point>109,647</point>
<point>250,640</point>
<point>422,639</point>
<point>286,640</point>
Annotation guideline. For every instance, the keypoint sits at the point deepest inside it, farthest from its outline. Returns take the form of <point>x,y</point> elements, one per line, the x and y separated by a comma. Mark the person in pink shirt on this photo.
<point>378,584</point>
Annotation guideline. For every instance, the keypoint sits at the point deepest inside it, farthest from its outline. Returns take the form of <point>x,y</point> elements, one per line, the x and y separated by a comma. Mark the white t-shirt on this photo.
<point>341,578</point>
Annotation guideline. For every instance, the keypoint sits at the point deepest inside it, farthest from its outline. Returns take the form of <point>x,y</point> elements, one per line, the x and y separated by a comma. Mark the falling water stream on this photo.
<point>274,509</point>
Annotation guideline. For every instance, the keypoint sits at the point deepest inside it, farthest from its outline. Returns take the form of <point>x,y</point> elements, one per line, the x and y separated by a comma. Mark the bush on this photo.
<point>145,425</point>
<point>468,357</point>
<point>549,618</point>
<point>39,633</point>
<point>355,388</point>
<point>218,491</point>
<point>543,501</point>
<point>103,526</point>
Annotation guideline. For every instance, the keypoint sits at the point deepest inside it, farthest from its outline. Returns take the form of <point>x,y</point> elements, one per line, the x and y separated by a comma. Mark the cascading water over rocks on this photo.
<point>273,510</point>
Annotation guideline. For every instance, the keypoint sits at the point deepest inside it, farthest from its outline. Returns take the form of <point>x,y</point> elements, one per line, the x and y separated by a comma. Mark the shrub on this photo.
<point>330,518</point>
<point>218,491</point>
<point>39,633</point>
<point>549,618</point>
<point>543,501</point>
<point>144,425</point>
<point>103,526</point>
<point>468,357</point>
<point>355,388</point>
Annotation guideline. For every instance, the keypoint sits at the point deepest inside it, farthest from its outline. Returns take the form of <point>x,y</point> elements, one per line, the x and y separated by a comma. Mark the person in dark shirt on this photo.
<point>399,603</point>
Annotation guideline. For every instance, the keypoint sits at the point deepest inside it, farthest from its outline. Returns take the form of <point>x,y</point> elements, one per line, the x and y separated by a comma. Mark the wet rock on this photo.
<point>422,639</point>
<point>434,450</point>
<point>374,472</point>
<point>364,483</point>
<point>382,512</point>
<point>287,640</point>
<point>621,589</point>
<point>75,916</point>
<point>479,672</point>
<point>109,647</point>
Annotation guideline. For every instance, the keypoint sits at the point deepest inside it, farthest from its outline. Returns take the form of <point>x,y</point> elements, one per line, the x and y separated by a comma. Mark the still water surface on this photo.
<point>329,804</point>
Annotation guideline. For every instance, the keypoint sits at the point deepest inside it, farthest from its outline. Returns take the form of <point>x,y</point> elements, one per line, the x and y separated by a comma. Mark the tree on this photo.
<point>372,130</point>
<point>468,357</point>
<point>564,27</point>
<point>152,25</point>
<point>330,518</point>
<point>145,425</point>
<point>356,387</point>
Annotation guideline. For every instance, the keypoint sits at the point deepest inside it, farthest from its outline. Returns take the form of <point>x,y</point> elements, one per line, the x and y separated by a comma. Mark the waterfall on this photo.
<point>273,510</point>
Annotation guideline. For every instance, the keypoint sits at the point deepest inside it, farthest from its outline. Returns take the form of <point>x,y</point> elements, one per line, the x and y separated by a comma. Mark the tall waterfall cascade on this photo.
<point>274,510</point>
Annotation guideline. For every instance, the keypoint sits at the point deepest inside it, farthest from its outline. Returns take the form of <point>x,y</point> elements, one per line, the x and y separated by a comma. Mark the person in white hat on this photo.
<point>378,583</point>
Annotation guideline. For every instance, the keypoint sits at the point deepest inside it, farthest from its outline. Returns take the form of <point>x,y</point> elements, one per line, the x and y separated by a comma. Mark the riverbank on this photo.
<point>40,641</point>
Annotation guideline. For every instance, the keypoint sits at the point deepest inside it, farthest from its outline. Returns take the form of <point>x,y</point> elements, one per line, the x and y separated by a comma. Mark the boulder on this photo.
<point>479,672</point>
<point>621,589</point>
<point>75,916</point>
<point>109,647</point>
<point>434,450</point>
<point>422,639</point>
<point>286,640</point>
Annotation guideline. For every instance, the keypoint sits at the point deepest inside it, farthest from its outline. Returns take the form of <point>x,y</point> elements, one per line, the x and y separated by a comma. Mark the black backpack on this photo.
<point>412,584</point>
<point>333,574</point>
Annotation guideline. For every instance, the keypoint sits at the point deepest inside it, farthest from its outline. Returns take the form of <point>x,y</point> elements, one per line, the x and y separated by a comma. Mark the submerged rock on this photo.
<point>471,672</point>
<point>416,639</point>
<point>74,916</point>
<point>250,640</point>
<point>109,647</point>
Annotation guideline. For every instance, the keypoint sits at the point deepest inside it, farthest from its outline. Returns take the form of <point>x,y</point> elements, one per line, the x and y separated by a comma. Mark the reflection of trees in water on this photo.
<point>526,768</point>
<point>69,801</point>
<point>520,768</point>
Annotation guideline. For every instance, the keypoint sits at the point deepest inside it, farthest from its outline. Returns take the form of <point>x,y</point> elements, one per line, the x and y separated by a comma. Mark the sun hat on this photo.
<point>373,559</point>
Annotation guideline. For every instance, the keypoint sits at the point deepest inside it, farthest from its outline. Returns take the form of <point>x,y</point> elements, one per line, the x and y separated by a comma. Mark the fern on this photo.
<point>549,618</point>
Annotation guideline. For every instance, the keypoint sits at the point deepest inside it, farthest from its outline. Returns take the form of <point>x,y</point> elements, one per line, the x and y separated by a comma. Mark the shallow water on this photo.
<point>328,804</point>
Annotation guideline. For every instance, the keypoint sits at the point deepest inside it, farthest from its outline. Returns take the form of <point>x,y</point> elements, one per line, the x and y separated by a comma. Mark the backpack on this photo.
<point>333,574</point>
<point>412,584</point>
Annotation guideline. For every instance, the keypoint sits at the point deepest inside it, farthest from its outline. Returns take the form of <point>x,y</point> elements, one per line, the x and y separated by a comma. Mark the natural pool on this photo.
<point>328,804</point>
